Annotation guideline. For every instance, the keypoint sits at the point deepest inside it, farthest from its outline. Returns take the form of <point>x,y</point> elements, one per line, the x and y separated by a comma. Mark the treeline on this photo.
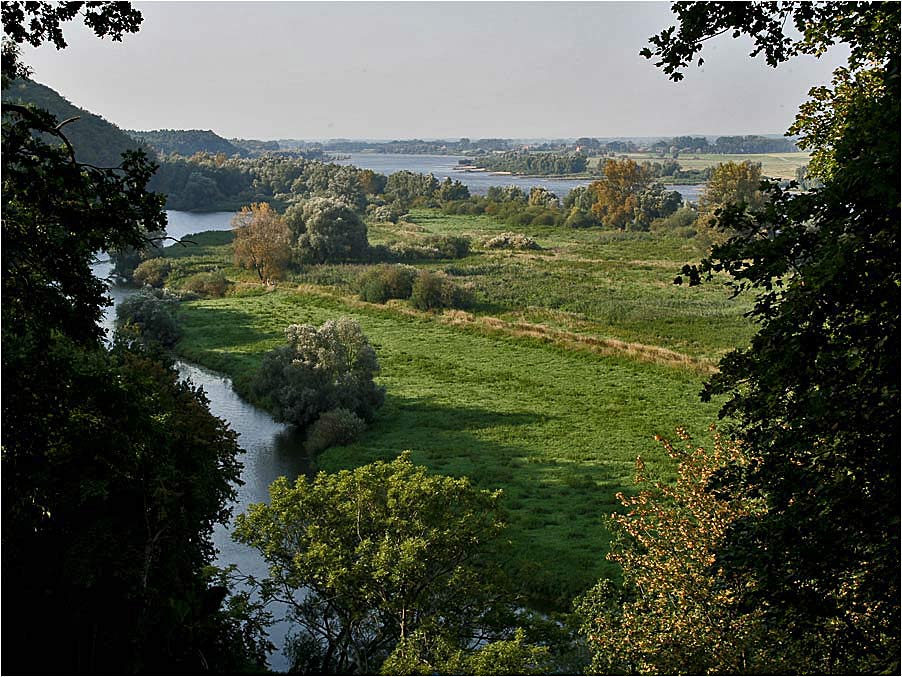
<point>543,164</point>
<point>745,144</point>
<point>186,142</point>
<point>206,182</point>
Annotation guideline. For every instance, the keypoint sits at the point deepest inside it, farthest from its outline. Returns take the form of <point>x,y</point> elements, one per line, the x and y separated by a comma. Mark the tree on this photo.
<point>261,241</point>
<point>319,370</point>
<point>324,229</point>
<point>816,394</point>
<point>733,183</point>
<point>616,202</point>
<point>368,558</point>
<point>113,471</point>
<point>675,612</point>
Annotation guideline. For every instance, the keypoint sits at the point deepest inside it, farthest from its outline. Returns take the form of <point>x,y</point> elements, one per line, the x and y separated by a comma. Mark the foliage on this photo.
<point>452,190</point>
<point>213,284</point>
<point>261,241</point>
<point>328,230</point>
<point>616,202</point>
<point>186,142</point>
<point>542,197</point>
<point>511,241</point>
<point>508,406</point>
<point>409,188</point>
<point>681,222</point>
<point>732,183</point>
<point>152,272</point>
<point>676,611</point>
<point>425,654</point>
<point>94,140</point>
<point>579,218</point>
<point>434,291</point>
<point>816,395</point>
<point>524,162</point>
<point>152,313</point>
<point>114,472</point>
<point>338,426</point>
<point>423,248</point>
<point>381,283</point>
<point>320,369</point>
<point>368,557</point>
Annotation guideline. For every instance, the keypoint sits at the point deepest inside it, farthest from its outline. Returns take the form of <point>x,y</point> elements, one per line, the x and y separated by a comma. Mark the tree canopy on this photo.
<point>113,470</point>
<point>368,558</point>
<point>261,241</point>
<point>816,395</point>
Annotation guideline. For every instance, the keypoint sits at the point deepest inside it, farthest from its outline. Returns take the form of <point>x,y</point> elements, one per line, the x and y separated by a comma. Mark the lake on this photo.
<point>478,182</point>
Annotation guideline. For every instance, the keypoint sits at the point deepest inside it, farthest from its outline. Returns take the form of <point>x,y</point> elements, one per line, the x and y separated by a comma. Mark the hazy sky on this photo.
<point>385,70</point>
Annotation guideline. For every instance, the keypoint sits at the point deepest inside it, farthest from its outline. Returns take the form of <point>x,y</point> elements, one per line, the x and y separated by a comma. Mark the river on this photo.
<point>271,449</point>
<point>478,182</point>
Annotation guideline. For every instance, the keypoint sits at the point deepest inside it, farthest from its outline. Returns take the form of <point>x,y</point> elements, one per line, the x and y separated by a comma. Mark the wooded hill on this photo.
<point>187,142</point>
<point>96,141</point>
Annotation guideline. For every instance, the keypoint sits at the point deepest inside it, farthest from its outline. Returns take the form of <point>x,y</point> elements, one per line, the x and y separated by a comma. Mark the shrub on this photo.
<point>408,251</point>
<point>326,230</point>
<point>320,369</point>
<point>511,241</point>
<point>334,427</point>
<point>385,282</point>
<point>153,272</point>
<point>431,248</point>
<point>152,314</point>
<point>433,291</point>
<point>580,218</point>
<point>212,284</point>
<point>450,246</point>
<point>682,222</point>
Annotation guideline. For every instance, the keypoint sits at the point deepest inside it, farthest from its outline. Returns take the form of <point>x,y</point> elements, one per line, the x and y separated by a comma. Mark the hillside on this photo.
<point>96,141</point>
<point>187,142</point>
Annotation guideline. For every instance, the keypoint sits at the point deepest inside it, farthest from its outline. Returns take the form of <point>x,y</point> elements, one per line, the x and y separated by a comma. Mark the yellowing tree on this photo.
<point>617,193</point>
<point>261,241</point>
<point>676,611</point>
<point>733,183</point>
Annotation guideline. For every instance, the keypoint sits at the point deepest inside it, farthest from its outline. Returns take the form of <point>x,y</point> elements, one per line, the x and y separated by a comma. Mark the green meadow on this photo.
<point>573,359</point>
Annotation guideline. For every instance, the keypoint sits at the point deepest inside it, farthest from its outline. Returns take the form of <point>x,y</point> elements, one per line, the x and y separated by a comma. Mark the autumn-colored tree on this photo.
<point>733,183</point>
<point>617,193</point>
<point>261,241</point>
<point>676,612</point>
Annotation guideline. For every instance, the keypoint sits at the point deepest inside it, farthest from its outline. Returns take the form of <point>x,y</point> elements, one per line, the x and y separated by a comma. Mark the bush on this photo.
<point>334,427</point>
<point>320,369</point>
<point>327,230</point>
<point>580,218</point>
<point>385,282</point>
<point>153,272</point>
<point>511,241</point>
<point>450,246</point>
<point>408,251</point>
<point>429,248</point>
<point>152,315</point>
<point>433,291</point>
<point>212,284</point>
<point>682,222</point>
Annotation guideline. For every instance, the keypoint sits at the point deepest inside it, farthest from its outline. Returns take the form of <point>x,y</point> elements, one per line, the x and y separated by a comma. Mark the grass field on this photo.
<point>573,359</point>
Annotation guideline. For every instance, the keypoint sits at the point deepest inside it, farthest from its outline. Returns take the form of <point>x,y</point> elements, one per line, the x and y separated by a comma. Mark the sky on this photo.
<point>402,70</point>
